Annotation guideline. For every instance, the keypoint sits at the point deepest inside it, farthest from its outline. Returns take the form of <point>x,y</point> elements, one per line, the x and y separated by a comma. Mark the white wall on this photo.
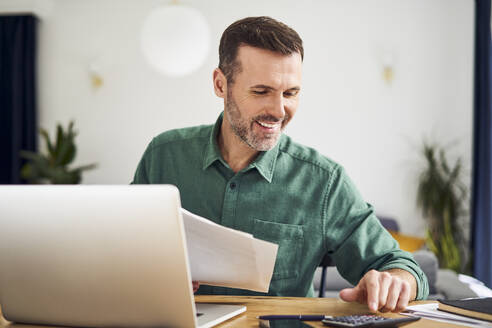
<point>347,111</point>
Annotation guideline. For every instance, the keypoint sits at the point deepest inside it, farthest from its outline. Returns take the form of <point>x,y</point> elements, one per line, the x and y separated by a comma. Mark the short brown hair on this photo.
<point>260,32</point>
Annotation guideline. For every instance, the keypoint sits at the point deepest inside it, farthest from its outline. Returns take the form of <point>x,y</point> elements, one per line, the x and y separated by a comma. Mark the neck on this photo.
<point>235,152</point>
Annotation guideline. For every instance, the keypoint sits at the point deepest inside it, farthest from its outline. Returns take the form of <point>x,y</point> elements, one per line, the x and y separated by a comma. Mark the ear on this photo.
<point>220,83</point>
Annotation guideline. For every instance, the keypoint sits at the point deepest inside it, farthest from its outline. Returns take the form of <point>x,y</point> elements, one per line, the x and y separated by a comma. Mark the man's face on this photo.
<point>264,96</point>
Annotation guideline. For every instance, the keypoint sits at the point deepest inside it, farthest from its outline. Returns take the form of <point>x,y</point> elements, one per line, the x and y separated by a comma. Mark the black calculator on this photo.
<point>367,320</point>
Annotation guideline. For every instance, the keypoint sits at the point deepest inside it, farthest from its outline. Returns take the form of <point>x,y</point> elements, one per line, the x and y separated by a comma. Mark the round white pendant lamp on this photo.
<point>175,39</point>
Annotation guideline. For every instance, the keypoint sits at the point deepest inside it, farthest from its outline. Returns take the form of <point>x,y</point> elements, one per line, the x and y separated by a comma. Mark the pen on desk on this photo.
<point>302,317</point>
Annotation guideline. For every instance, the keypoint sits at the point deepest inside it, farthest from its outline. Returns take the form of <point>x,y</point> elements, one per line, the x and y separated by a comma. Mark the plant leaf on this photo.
<point>441,196</point>
<point>46,138</point>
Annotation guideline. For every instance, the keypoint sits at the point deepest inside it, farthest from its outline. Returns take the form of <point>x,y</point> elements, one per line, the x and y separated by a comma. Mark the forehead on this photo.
<point>260,66</point>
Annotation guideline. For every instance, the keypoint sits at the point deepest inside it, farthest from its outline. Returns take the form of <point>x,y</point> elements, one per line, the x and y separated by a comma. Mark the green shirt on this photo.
<point>290,195</point>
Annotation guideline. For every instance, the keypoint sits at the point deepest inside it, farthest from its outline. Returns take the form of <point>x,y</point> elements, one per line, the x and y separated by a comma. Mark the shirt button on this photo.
<point>232,185</point>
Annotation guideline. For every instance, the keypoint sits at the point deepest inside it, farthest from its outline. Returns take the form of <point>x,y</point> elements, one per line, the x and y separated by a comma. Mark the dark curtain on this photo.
<point>17,93</point>
<point>482,147</point>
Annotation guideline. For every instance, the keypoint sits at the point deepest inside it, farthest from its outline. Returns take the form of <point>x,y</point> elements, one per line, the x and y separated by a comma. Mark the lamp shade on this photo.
<point>175,39</point>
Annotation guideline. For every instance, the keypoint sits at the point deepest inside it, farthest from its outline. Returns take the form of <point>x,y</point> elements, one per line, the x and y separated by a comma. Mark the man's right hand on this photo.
<point>383,291</point>
<point>196,285</point>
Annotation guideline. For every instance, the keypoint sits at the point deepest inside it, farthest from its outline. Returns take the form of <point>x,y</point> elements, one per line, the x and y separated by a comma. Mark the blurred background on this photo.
<point>380,77</point>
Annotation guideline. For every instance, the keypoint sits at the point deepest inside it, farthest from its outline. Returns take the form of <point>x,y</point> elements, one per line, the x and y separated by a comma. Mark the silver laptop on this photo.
<point>97,256</point>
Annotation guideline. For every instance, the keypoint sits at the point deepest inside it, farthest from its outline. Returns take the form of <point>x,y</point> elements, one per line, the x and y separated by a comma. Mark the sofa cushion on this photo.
<point>429,264</point>
<point>426,260</point>
<point>406,242</point>
<point>448,283</point>
<point>334,281</point>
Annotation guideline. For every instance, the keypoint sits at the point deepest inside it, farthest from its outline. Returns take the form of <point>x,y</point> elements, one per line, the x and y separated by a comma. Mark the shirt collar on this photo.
<point>212,152</point>
<point>264,163</point>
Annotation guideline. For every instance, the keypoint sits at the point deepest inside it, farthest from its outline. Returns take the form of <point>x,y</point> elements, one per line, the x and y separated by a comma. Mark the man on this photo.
<point>245,174</point>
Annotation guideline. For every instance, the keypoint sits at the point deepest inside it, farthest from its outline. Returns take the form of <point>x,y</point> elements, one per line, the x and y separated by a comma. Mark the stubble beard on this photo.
<point>243,128</point>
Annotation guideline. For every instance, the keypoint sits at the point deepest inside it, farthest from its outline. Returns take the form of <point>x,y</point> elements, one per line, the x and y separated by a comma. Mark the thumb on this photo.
<point>350,294</point>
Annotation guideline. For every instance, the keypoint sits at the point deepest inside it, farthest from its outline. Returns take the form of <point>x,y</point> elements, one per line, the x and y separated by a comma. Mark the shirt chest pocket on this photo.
<point>290,240</point>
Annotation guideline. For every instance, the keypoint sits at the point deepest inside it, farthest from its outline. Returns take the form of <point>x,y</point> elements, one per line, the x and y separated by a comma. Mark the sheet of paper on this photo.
<point>430,311</point>
<point>222,256</point>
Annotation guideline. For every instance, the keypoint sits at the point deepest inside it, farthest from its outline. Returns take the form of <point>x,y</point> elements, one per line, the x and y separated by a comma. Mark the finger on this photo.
<point>349,294</point>
<point>385,280</point>
<point>196,285</point>
<point>362,296</point>
<point>371,283</point>
<point>393,295</point>
<point>404,298</point>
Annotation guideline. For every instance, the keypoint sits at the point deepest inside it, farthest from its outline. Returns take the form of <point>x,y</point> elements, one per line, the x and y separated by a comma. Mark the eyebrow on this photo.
<point>263,86</point>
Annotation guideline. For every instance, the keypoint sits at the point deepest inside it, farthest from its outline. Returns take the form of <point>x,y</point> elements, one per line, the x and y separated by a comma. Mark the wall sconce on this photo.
<point>388,61</point>
<point>175,39</point>
<point>95,75</point>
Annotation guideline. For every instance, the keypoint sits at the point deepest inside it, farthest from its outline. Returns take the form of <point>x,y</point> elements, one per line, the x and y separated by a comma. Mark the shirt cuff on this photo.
<point>418,274</point>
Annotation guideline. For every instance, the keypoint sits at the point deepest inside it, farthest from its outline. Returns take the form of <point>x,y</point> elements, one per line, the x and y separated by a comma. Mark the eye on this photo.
<point>260,92</point>
<point>289,94</point>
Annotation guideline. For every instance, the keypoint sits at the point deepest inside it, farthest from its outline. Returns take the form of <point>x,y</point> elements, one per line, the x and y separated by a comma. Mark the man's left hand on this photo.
<point>195,285</point>
<point>384,291</point>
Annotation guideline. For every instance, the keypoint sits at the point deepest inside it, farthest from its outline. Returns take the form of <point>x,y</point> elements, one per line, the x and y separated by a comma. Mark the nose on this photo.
<point>277,108</point>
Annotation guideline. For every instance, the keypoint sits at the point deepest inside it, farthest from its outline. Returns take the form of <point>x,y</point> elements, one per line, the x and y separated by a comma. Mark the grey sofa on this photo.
<point>443,283</point>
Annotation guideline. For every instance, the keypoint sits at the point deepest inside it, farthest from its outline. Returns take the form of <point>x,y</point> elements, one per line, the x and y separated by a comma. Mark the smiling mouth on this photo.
<point>269,125</point>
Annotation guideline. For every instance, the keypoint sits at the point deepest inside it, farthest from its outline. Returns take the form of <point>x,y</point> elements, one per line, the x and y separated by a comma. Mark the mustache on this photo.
<point>270,118</point>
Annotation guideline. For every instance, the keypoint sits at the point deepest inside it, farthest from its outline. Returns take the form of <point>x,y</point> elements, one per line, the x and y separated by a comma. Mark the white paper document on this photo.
<point>430,311</point>
<point>222,256</point>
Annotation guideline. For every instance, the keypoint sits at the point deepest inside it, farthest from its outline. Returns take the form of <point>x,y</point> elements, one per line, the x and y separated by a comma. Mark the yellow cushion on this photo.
<point>408,243</point>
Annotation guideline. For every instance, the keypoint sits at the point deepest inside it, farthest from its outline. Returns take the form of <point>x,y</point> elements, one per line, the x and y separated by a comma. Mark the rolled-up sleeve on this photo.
<point>356,239</point>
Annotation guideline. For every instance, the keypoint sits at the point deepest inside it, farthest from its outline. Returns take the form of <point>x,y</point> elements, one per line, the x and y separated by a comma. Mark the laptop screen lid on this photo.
<point>94,256</point>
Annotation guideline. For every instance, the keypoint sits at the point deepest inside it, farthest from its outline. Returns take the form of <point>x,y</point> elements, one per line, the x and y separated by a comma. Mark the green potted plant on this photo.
<point>442,197</point>
<point>53,167</point>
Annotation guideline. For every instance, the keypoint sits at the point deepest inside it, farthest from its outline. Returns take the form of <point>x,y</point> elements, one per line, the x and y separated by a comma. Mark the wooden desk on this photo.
<point>258,305</point>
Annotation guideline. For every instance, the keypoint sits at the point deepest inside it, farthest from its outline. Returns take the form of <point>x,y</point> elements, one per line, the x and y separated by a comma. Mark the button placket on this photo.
<point>230,200</point>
